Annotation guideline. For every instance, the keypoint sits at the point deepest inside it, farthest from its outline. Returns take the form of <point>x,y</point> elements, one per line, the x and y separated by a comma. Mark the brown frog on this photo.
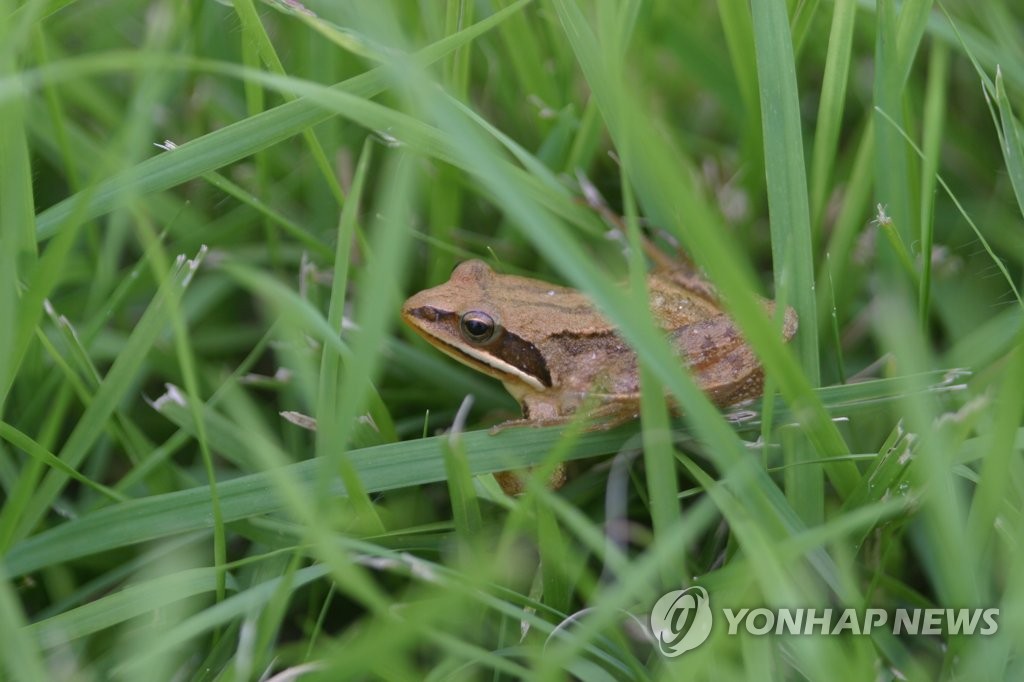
<point>554,351</point>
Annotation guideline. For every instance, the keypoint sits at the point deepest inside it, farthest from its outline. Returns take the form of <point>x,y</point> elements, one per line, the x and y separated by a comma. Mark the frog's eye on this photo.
<point>477,326</point>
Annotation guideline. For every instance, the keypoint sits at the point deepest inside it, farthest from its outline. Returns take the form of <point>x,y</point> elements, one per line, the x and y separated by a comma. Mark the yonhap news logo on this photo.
<point>681,620</point>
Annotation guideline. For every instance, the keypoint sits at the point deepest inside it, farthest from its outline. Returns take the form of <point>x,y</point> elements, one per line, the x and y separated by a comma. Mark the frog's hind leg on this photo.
<point>612,411</point>
<point>725,367</point>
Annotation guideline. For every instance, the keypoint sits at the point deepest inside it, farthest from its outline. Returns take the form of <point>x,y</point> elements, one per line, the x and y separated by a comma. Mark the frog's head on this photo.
<point>471,318</point>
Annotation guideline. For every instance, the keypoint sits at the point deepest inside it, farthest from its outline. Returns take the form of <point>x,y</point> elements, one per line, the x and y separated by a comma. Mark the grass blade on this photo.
<point>831,104</point>
<point>789,212</point>
<point>117,381</point>
<point>934,121</point>
<point>241,139</point>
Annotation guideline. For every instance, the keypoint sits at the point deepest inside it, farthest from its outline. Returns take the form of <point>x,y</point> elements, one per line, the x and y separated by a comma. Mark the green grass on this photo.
<point>160,309</point>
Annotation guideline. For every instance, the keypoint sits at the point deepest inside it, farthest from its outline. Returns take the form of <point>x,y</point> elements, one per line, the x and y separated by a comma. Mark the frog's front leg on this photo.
<point>538,410</point>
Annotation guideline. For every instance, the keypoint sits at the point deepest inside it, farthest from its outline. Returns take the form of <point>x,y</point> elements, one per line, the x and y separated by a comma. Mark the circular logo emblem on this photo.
<point>681,620</point>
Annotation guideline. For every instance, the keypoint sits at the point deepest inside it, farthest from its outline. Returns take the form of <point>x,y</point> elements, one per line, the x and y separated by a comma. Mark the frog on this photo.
<point>557,354</point>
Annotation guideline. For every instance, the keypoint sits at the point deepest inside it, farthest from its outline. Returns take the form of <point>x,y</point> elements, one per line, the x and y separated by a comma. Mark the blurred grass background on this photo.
<point>211,212</point>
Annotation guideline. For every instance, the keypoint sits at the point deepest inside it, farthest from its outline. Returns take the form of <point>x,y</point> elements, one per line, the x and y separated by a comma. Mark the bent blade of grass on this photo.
<point>976,44</point>
<point>1008,130</point>
<point>545,185</point>
<point>241,139</point>
<point>535,167</point>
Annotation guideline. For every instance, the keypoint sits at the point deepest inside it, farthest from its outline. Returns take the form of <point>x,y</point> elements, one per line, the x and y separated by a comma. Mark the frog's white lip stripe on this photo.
<point>424,318</point>
<point>495,363</point>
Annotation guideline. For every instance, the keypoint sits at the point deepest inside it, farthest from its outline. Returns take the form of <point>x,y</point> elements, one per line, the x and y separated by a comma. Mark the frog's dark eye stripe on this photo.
<point>485,344</point>
<point>524,356</point>
<point>479,329</point>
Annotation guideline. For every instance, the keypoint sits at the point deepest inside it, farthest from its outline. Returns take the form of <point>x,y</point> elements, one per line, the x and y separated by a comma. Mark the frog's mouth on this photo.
<point>506,357</point>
